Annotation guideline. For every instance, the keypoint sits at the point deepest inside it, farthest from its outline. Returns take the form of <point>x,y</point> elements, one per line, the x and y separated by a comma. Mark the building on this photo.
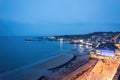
<point>105,53</point>
<point>118,45</point>
<point>117,52</point>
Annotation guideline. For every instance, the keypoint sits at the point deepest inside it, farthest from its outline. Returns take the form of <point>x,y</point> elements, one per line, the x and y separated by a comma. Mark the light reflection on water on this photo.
<point>61,44</point>
<point>16,52</point>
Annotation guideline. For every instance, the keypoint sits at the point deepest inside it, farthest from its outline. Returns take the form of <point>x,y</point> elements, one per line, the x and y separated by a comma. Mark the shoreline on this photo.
<point>33,64</point>
<point>37,69</point>
<point>27,66</point>
<point>63,72</point>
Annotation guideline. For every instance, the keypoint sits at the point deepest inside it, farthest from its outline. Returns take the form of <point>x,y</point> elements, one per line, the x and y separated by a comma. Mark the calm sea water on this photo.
<point>15,52</point>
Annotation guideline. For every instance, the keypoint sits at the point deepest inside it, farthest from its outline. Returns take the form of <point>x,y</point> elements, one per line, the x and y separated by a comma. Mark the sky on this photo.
<point>58,17</point>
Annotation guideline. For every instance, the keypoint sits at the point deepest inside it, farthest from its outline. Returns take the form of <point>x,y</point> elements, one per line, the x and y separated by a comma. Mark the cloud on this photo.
<point>61,10</point>
<point>49,17</point>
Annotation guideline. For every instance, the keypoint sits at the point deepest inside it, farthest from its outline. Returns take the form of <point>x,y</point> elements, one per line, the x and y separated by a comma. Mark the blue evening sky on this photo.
<point>58,17</point>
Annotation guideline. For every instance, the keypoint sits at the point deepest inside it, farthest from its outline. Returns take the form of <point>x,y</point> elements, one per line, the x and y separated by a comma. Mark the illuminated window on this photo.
<point>98,51</point>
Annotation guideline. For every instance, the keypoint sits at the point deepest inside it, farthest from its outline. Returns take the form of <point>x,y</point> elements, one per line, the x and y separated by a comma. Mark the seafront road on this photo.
<point>103,70</point>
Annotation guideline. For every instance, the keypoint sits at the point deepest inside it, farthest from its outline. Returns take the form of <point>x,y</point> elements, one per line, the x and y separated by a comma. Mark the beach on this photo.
<point>66,72</point>
<point>40,60</point>
<point>34,72</point>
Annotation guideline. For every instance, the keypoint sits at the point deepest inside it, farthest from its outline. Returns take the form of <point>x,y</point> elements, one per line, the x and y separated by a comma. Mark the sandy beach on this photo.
<point>35,71</point>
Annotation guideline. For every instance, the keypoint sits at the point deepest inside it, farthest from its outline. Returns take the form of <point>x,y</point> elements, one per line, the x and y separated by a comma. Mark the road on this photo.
<point>103,70</point>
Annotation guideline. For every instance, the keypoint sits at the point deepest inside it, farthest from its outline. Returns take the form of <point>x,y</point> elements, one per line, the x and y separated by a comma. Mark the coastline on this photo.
<point>34,71</point>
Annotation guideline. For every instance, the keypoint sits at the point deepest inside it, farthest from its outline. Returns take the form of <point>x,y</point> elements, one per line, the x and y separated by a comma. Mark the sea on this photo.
<point>15,52</point>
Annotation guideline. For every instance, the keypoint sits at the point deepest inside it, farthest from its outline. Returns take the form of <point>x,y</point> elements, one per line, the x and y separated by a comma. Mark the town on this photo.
<point>102,62</point>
